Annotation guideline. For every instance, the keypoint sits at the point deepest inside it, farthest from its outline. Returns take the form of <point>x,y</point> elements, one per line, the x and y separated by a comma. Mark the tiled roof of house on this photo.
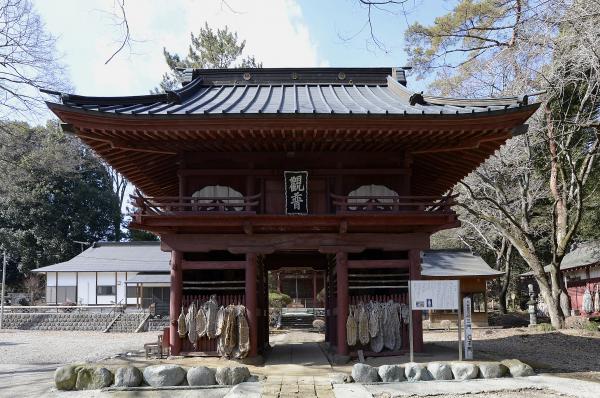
<point>116,257</point>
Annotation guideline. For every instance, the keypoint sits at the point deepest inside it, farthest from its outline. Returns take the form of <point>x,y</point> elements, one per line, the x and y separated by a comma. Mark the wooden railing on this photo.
<point>250,204</point>
<point>174,204</point>
<point>394,204</point>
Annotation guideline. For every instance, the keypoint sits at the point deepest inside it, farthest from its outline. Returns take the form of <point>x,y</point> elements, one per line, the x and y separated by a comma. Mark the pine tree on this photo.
<point>210,49</point>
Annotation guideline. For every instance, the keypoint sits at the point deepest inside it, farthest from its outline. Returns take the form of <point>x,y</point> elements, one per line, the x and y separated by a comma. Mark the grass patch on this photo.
<point>591,326</point>
<point>545,327</point>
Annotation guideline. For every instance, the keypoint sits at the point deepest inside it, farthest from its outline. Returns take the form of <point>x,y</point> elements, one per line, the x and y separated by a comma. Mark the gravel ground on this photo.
<point>26,347</point>
<point>559,351</point>
<point>506,394</point>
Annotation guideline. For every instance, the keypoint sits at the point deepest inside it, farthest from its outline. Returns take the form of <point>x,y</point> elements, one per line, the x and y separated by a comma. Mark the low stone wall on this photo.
<point>93,321</point>
<point>363,373</point>
<point>75,377</point>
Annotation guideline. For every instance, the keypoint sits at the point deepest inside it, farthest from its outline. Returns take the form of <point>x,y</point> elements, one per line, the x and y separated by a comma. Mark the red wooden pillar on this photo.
<point>251,296</point>
<point>414,256</point>
<point>175,301</point>
<point>314,289</point>
<point>342,301</point>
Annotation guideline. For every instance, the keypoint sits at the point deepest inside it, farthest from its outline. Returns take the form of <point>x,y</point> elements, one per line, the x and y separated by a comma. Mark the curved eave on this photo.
<point>101,115</point>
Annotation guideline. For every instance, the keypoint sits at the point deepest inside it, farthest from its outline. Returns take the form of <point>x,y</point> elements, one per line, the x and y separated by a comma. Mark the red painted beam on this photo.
<point>251,297</point>
<point>175,301</point>
<point>342,301</point>
<point>189,265</point>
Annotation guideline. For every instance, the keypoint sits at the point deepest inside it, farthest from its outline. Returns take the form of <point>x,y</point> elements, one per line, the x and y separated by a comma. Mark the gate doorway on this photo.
<point>296,300</point>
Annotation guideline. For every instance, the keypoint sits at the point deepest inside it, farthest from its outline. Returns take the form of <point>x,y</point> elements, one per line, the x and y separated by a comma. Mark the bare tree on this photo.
<point>532,191</point>
<point>119,185</point>
<point>28,60</point>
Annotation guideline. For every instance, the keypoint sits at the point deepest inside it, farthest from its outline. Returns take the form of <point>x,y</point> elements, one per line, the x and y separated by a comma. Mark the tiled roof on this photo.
<point>291,91</point>
<point>116,257</point>
<point>455,263</point>
<point>587,253</point>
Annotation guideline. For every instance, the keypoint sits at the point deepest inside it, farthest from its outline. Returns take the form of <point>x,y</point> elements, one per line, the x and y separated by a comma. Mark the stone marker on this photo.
<point>464,370</point>
<point>65,377</point>
<point>391,373</point>
<point>231,375</point>
<point>164,375</point>
<point>128,376</point>
<point>201,376</point>
<point>416,372</point>
<point>440,370</point>
<point>492,370</point>
<point>93,378</point>
<point>363,373</point>
<point>518,368</point>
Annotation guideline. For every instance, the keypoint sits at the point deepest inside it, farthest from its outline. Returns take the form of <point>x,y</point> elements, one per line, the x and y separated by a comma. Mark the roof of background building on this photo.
<point>116,257</point>
<point>455,263</point>
<point>587,253</point>
<point>148,257</point>
<point>290,91</point>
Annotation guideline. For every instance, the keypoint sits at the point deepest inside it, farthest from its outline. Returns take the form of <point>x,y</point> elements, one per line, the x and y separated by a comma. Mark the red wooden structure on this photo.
<point>209,161</point>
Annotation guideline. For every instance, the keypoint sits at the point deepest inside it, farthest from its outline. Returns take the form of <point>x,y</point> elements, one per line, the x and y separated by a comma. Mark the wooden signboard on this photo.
<point>296,192</point>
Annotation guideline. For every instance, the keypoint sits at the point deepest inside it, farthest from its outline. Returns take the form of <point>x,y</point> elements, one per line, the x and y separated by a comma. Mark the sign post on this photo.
<point>434,295</point>
<point>468,328</point>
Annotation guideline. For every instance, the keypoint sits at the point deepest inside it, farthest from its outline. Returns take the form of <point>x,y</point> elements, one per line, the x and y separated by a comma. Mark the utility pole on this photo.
<point>3,284</point>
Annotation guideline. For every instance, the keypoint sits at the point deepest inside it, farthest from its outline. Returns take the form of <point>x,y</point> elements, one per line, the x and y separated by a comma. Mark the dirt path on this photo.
<point>560,351</point>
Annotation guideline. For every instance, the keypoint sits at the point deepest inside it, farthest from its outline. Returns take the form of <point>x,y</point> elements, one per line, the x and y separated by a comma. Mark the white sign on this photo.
<point>434,295</point>
<point>468,328</point>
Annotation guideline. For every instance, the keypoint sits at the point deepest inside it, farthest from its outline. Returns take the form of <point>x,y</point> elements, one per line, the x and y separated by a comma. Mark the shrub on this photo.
<point>545,327</point>
<point>278,300</point>
<point>319,324</point>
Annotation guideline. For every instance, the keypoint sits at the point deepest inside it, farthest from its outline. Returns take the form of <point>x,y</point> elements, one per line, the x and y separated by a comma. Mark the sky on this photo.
<point>279,33</point>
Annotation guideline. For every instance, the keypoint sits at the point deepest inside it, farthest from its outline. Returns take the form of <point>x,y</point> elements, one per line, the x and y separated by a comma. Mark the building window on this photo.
<point>108,290</point>
<point>51,294</point>
<point>61,294</point>
<point>131,292</point>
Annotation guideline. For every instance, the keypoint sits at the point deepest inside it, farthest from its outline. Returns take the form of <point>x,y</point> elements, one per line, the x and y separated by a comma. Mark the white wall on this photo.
<point>50,278</point>
<point>595,272</point>
<point>67,279</point>
<point>86,288</point>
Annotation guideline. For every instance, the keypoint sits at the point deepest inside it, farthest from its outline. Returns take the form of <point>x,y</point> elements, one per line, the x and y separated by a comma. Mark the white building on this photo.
<point>135,273</point>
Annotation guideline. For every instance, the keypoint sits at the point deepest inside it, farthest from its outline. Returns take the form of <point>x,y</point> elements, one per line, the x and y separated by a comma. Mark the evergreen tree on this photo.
<point>210,49</point>
<point>53,191</point>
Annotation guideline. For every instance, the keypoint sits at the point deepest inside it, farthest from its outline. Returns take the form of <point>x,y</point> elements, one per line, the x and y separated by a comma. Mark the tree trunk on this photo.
<point>557,318</point>
<point>527,252</point>
<point>506,280</point>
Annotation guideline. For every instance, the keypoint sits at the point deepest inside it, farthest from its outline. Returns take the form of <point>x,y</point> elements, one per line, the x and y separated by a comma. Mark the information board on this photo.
<point>296,192</point>
<point>434,295</point>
